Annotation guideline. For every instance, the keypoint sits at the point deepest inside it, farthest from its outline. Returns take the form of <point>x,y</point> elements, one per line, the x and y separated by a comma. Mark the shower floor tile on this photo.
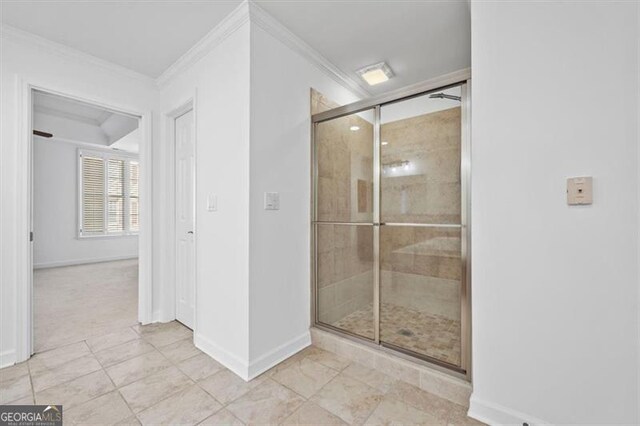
<point>429,334</point>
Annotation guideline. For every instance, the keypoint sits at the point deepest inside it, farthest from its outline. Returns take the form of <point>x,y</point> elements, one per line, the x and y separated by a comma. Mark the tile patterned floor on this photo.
<point>433,335</point>
<point>154,375</point>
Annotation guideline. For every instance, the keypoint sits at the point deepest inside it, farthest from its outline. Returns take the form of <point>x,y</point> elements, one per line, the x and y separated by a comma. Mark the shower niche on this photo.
<point>390,231</point>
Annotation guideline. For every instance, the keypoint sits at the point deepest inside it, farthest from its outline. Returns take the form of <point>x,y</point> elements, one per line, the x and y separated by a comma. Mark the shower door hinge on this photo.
<point>31,236</point>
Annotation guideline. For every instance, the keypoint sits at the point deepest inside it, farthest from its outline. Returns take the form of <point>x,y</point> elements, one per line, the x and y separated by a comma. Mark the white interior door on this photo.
<point>185,219</point>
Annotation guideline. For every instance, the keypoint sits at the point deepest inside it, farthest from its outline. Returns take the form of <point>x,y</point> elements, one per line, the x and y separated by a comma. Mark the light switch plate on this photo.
<point>271,201</point>
<point>580,191</point>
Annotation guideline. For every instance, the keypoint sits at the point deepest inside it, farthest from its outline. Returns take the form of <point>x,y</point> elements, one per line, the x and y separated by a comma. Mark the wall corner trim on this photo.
<point>279,354</point>
<point>232,362</point>
<point>496,414</point>
<point>268,23</point>
<point>21,37</point>
<point>230,24</point>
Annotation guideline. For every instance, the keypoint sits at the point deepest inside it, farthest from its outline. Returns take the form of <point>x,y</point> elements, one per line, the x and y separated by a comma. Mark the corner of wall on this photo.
<point>231,361</point>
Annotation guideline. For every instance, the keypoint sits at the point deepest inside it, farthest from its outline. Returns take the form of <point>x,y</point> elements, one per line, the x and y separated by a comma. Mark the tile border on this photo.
<point>428,379</point>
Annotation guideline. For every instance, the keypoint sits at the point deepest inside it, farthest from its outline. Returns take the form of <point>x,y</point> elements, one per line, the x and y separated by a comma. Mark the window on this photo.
<point>108,194</point>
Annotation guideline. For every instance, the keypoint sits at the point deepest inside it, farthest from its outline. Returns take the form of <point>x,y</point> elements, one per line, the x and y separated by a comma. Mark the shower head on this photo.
<point>445,96</point>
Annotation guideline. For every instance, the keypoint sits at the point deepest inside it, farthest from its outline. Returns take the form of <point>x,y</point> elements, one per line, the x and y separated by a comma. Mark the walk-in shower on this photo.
<point>390,223</point>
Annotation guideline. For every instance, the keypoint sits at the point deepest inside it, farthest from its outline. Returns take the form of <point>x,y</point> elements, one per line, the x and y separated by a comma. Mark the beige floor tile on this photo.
<point>269,402</point>
<point>131,421</point>
<point>164,334</point>
<point>312,414</point>
<point>393,412</point>
<point>76,391</point>
<point>180,350</point>
<point>136,368</point>
<point>222,417</point>
<point>425,401</point>
<point>457,416</point>
<point>55,357</point>
<point>13,372</point>
<point>327,358</point>
<point>27,400</point>
<point>225,386</point>
<point>304,376</point>
<point>106,409</point>
<point>65,372</point>
<point>200,366</point>
<point>16,388</point>
<point>123,352</point>
<point>348,398</point>
<point>148,391</point>
<point>372,377</point>
<point>188,407</point>
<point>116,338</point>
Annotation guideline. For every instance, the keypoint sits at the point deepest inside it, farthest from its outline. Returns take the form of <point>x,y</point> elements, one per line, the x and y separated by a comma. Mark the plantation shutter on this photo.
<point>92,195</point>
<point>134,175</point>
<point>115,213</point>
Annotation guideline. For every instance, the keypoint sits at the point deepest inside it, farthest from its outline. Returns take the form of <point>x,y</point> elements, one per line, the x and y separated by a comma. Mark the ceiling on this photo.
<point>71,120</point>
<point>418,39</point>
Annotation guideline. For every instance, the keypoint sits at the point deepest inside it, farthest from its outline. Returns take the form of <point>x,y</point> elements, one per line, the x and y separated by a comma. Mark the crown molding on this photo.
<point>238,17</point>
<point>250,11</point>
<point>18,36</point>
<point>268,23</point>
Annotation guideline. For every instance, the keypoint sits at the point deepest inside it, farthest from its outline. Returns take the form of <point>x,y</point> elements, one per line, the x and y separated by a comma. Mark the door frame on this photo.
<point>457,78</point>
<point>24,252</point>
<point>168,294</point>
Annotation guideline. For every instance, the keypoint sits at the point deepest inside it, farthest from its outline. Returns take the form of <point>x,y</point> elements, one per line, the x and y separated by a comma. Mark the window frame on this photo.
<point>105,156</point>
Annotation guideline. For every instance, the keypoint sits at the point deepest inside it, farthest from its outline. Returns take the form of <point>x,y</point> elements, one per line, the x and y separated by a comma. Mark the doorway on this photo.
<point>184,137</point>
<point>390,227</point>
<point>85,220</point>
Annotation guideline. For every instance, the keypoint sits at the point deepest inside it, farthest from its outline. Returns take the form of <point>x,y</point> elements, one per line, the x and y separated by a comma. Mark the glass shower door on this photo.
<point>343,223</point>
<point>421,270</point>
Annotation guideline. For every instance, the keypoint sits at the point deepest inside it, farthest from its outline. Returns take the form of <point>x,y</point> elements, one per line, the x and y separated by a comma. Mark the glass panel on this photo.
<point>420,156</point>
<point>420,282</point>
<point>344,155</point>
<point>345,277</point>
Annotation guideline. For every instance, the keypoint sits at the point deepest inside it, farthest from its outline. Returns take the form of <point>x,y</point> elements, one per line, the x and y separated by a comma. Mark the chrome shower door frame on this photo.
<point>460,78</point>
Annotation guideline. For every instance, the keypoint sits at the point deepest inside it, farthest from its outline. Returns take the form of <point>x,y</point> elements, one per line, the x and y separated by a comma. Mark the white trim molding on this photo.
<point>279,354</point>
<point>248,11</point>
<point>229,360</point>
<point>496,414</point>
<point>7,358</point>
<point>83,261</point>
<point>268,23</point>
<point>236,19</point>
<point>18,36</point>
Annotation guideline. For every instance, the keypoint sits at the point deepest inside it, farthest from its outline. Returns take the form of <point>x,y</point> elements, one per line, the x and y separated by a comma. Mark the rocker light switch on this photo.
<point>212,203</point>
<point>579,191</point>
<point>271,201</point>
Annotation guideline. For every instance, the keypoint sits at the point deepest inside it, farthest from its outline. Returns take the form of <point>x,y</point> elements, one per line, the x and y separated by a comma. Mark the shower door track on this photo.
<point>460,78</point>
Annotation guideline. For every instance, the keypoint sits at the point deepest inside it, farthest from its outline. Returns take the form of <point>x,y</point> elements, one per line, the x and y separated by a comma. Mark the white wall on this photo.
<point>221,79</point>
<point>69,73</point>
<point>555,288</point>
<point>279,312</point>
<point>55,212</point>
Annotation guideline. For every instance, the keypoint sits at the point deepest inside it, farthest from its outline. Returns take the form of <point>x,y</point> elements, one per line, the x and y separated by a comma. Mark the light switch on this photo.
<point>580,191</point>
<point>212,203</point>
<point>271,201</point>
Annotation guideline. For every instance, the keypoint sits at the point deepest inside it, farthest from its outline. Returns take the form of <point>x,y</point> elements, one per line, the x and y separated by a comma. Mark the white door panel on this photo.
<point>185,218</point>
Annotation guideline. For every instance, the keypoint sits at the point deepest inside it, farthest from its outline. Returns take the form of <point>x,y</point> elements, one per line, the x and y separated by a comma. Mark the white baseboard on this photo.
<point>7,358</point>
<point>229,360</point>
<point>279,354</point>
<point>496,414</point>
<point>72,262</point>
